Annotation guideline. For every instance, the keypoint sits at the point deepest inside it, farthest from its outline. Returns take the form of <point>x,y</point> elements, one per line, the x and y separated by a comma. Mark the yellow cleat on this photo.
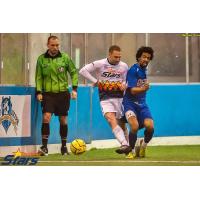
<point>142,152</point>
<point>137,151</point>
<point>130,155</point>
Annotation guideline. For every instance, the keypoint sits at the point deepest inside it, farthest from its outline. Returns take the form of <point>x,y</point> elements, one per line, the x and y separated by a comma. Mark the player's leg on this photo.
<point>63,134</point>
<point>117,103</point>
<point>47,109</point>
<point>116,129</point>
<point>122,124</point>
<point>146,121</point>
<point>149,130</point>
<point>148,134</point>
<point>62,107</point>
<point>132,120</point>
<point>45,129</point>
<point>111,109</point>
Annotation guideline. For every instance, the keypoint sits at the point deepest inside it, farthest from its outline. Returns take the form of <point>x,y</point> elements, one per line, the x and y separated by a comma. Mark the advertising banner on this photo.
<point>15,116</point>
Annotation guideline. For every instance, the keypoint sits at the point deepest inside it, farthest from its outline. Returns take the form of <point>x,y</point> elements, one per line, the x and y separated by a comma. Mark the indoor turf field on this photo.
<point>188,155</point>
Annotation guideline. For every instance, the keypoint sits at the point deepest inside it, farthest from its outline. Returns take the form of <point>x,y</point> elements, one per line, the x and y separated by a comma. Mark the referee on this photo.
<point>52,90</point>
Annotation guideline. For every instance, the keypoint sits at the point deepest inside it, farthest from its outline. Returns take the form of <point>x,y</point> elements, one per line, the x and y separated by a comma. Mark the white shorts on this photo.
<point>112,105</point>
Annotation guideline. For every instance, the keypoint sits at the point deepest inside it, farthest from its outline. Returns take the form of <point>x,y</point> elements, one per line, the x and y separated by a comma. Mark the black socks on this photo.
<point>63,134</point>
<point>45,133</point>
<point>148,135</point>
<point>132,139</point>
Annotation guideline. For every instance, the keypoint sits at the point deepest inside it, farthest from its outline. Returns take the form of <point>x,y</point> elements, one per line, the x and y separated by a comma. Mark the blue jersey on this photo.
<point>136,77</point>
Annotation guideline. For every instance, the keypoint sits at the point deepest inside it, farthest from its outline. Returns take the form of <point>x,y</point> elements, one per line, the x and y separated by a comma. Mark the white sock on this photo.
<point>144,145</point>
<point>126,135</point>
<point>119,134</point>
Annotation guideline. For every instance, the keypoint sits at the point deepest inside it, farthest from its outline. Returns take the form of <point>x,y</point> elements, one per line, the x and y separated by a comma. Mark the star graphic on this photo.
<point>18,153</point>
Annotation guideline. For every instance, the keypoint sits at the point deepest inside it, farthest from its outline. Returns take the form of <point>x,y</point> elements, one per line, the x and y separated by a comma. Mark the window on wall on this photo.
<point>129,42</point>
<point>37,45</point>
<point>78,52</point>
<point>13,47</point>
<point>169,63</point>
<point>194,59</point>
<point>98,45</point>
<point>65,43</point>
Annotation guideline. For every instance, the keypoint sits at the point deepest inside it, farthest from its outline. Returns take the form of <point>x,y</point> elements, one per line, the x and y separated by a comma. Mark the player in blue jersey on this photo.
<point>136,110</point>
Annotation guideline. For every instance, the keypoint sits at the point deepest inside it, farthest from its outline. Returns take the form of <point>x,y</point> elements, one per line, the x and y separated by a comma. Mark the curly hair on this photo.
<point>144,50</point>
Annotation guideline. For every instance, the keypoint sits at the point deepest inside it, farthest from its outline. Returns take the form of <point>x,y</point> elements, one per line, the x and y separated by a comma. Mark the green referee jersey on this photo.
<point>52,73</point>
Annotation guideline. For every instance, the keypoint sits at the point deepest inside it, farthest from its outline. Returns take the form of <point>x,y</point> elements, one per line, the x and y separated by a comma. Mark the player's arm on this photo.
<point>123,85</point>
<point>74,77</point>
<point>138,90</point>
<point>86,72</point>
<point>132,82</point>
<point>38,80</point>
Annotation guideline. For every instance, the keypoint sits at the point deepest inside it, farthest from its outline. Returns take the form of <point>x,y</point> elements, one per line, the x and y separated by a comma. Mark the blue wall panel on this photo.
<point>78,120</point>
<point>100,128</point>
<point>83,116</point>
<point>175,109</point>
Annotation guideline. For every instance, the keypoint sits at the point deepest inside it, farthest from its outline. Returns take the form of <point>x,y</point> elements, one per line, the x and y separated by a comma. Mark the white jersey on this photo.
<point>110,77</point>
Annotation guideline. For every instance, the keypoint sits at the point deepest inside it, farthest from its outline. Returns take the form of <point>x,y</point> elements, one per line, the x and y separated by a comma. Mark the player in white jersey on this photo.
<point>110,79</point>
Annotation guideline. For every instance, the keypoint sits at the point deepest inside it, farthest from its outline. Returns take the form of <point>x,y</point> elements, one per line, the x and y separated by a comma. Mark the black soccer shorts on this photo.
<point>57,103</point>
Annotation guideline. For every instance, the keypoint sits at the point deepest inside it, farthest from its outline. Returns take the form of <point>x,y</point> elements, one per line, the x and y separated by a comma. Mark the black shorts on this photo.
<point>57,103</point>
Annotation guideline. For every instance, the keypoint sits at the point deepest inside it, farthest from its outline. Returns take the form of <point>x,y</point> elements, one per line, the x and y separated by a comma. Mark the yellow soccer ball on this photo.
<point>78,146</point>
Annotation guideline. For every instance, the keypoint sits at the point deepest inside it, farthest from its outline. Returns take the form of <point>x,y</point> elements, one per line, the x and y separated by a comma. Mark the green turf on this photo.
<point>188,155</point>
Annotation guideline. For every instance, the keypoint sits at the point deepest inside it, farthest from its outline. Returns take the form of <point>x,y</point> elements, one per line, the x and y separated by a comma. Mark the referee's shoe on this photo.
<point>43,151</point>
<point>64,150</point>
